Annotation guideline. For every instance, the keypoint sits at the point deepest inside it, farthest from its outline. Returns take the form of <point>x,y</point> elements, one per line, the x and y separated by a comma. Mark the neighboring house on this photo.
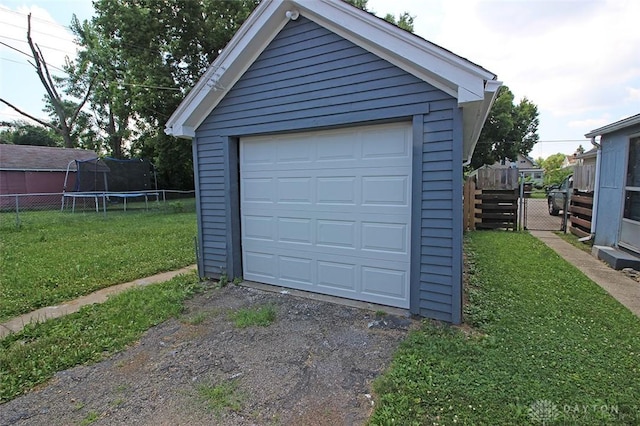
<point>617,195</point>
<point>569,160</point>
<point>527,167</point>
<point>587,158</point>
<point>27,169</point>
<point>328,152</point>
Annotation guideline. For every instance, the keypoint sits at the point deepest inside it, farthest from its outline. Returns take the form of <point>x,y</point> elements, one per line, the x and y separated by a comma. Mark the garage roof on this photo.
<point>473,86</point>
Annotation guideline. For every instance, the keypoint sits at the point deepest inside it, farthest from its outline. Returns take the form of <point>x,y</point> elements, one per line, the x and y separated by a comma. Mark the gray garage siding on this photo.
<point>307,79</point>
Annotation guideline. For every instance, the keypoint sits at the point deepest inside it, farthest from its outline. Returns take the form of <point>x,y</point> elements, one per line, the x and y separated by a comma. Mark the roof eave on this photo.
<point>614,127</point>
<point>474,114</point>
<point>473,86</point>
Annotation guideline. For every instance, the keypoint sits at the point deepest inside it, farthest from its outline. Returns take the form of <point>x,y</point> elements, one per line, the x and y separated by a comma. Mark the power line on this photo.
<point>36,31</point>
<point>41,45</point>
<point>6,9</point>
<point>30,56</point>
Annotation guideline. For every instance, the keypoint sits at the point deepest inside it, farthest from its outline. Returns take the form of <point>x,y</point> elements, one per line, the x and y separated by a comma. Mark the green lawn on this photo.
<point>546,346</point>
<point>33,355</point>
<point>54,256</point>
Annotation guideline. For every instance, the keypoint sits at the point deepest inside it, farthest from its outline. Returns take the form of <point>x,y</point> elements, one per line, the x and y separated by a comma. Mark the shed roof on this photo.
<point>40,158</point>
<point>613,127</point>
<point>473,86</point>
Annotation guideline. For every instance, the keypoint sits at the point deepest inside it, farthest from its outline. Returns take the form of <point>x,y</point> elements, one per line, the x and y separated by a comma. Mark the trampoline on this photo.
<point>111,181</point>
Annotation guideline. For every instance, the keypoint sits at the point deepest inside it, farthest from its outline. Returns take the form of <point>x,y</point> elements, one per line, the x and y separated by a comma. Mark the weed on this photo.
<point>196,319</point>
<point>223,396</point>
<point>380,313</point>
<point>237,280</point>
<point>257,316</point>
<point>223,281</point>
<point>91,417</point>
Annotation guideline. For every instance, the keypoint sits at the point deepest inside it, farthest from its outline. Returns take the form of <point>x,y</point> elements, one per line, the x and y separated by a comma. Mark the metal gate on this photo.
<point>542,214</point>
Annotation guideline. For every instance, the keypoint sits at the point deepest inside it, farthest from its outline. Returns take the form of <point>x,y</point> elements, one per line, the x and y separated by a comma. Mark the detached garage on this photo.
<point>328,151</point>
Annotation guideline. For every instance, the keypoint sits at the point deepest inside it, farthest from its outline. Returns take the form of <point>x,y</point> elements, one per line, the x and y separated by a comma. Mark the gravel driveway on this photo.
<point>313,366</point>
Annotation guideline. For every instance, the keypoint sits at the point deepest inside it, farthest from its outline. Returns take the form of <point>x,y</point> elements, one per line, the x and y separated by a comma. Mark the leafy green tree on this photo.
<point>404,20</point>
<point>509,129</point>
<point>553,171</point>
<point>147,55</point>
<point>23,133</point>
<point>553,162</point>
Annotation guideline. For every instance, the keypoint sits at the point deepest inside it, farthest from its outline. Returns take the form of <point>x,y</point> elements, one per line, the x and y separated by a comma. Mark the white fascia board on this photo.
<point>241,51</point>
<point>474,114</point>
<point>433,64</point>
<point>613,127</point>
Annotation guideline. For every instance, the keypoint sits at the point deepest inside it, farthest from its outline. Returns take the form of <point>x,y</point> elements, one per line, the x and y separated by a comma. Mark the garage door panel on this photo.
<point>340,208</point>
<point>385,190</point>
<point>336,233</point>
<point>336,190</point>
<point>295,230</point>
<point>262,190</point>
<point>384,282</point>
<point>259,227</point>
<point>294,190</point>
<point>385,237</point>
<point>260,265</point>
<point>336,275</point>
<point>297,270</point>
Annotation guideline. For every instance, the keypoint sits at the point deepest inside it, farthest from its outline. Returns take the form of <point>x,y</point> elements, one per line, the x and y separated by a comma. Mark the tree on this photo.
<point>148,54</point>
<point>23,133</point>
<point>510,129</point>
<point>404,20</point>
<point>553,171</point>
<point>66,111</point>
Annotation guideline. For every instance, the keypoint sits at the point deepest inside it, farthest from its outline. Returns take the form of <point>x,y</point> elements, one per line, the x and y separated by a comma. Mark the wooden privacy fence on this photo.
<point>491,200</point>
<point>581,202</point>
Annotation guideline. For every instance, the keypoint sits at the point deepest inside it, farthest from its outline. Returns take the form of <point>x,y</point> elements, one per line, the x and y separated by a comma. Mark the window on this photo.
<point>632,189</point>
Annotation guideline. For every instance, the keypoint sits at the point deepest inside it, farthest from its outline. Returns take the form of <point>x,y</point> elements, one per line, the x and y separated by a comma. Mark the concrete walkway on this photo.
<point>72,306</point>
<point>618,285</point>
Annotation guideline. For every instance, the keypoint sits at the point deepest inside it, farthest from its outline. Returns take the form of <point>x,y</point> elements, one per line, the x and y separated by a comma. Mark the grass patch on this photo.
<point>547,342</point>
<point>573,240</point>
<point>223,396</point>
<point>58,256</point>
<point>257,316</point>
<point>33,355</point>
<point>90,418</point>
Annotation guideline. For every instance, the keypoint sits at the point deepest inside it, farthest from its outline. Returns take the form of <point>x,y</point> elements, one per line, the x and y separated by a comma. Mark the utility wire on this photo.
<point>41,45</point>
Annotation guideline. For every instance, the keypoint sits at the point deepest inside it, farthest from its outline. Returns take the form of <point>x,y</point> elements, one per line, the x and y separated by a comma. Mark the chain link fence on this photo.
<point>17,210</point>
<point>543,214</point>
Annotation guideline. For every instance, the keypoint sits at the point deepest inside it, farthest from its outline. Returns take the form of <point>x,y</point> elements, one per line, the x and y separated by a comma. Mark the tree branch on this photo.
<point>84,101</point>
<point>18,110</point>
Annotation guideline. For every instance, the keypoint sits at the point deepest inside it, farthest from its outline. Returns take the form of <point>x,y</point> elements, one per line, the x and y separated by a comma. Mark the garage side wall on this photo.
<point>308,79</point>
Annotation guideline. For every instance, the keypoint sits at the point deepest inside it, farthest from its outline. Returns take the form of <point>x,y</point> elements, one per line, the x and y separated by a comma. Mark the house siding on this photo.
<point>309,78</point>
<point>613,172</point>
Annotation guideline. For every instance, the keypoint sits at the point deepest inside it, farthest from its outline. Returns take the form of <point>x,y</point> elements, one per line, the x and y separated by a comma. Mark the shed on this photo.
<point>328,151</point>
<point>28,169</point>
<point>617,194</point>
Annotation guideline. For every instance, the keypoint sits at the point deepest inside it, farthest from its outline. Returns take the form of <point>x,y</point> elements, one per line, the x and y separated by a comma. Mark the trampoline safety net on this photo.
<point>113,175</point>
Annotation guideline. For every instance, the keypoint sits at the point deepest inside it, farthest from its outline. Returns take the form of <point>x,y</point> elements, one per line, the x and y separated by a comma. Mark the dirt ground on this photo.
<point>313,366</point>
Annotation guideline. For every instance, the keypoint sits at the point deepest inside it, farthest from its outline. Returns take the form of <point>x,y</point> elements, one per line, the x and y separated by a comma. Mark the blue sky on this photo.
<point>577,60</point>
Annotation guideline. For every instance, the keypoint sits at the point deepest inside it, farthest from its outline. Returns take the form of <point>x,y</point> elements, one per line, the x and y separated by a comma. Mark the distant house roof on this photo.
<point>588,154</point>
<point>40,158</point>
<point>618,125</point>
<point>473,86</point>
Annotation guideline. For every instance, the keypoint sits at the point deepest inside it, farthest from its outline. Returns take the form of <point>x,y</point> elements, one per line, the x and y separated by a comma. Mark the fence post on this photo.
<point>17,212</point>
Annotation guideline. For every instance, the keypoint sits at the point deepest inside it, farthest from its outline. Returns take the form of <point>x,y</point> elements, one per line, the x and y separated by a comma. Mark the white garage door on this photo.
<point>329,212</point>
